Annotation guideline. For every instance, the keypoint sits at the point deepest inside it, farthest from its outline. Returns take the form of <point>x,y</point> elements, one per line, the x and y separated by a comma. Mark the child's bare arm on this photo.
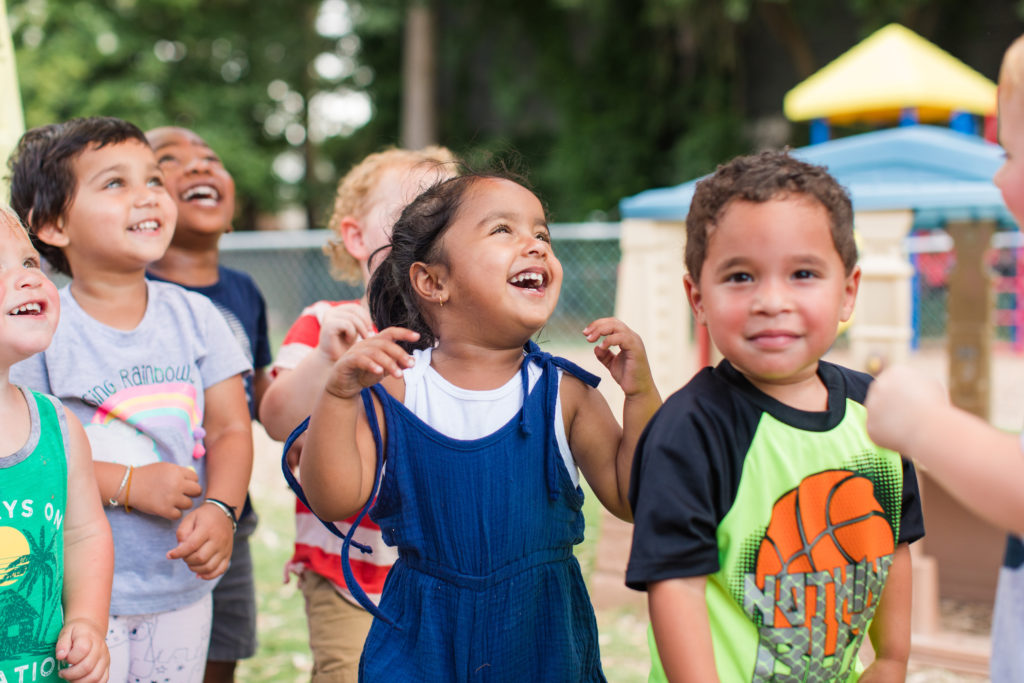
<point>980,465</point>
<point>679,617</point>
<point>88,567</point>
<point>890,629</point>
<point>338,460</point>
<point>205,535</point>
<point>603,449</point>
<point>292,394</point>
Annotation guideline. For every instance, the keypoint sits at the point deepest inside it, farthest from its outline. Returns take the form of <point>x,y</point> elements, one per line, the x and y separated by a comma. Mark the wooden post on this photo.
<point>419,115</point>
<point>969,325</point>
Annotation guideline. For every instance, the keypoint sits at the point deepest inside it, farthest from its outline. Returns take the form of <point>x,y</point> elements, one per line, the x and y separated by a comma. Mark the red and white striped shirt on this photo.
<point>317,549</point>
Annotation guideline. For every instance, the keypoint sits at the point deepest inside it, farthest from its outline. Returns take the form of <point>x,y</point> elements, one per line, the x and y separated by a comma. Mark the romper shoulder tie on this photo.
<point>548,363</point>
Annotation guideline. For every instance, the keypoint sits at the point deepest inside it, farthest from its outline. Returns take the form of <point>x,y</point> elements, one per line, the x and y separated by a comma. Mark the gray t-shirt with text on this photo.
<point>140,396</point>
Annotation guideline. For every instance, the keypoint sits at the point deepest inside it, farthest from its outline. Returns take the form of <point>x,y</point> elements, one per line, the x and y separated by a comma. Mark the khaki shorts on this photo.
<point>337,630</point>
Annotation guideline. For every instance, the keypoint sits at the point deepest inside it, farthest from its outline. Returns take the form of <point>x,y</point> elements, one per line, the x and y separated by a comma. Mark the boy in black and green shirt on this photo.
<point>771,534</point>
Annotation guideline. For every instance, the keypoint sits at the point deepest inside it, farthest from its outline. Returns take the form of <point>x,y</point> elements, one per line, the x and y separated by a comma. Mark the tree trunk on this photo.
<point>419,74</point>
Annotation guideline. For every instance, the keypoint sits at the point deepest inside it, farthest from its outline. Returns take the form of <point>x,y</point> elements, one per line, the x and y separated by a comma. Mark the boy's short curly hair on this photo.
<point>43,183</point>
<point>762,177</point>
<point>356,188</point>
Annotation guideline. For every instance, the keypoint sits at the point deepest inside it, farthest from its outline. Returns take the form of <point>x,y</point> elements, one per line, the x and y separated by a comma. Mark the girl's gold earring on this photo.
<point>440,302</point>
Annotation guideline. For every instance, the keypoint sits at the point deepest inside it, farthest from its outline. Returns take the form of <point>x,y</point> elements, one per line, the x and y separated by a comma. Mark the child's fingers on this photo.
<point>209,561</point>
<point>381,361</point>
<point>601,327</point>
<point>399,334</point>
<point>604,356</point>
<point>77,657</point>
<point>187,539</point>
<point>212,568</point>
<point>85,654</point>
<point>191,489</point>
<point>63,644</point>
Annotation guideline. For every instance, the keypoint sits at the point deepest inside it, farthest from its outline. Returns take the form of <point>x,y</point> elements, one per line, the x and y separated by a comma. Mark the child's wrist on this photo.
<point>228,510</point>
<point>341,394</point>
<point>124,487</point>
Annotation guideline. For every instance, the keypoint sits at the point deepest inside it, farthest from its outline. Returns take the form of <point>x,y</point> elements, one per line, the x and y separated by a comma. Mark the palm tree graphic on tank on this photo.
<point>27,583</point>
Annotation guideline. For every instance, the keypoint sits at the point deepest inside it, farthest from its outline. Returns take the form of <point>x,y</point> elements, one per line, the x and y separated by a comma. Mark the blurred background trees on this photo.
<point>599,99</point>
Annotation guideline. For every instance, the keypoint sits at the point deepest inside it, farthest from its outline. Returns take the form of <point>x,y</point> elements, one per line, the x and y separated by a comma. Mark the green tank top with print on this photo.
<point>33,497</point>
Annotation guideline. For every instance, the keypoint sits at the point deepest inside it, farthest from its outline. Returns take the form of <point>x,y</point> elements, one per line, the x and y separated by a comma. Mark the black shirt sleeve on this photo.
<point>912,516</point>
<point>684,480</point>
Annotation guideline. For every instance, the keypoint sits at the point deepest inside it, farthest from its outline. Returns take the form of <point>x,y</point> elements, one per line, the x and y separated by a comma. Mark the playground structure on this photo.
<point>894,76</point>
<point>912,178</point>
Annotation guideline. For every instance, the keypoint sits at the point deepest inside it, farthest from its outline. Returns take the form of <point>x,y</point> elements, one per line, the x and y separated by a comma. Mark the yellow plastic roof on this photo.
<point>890,70</point>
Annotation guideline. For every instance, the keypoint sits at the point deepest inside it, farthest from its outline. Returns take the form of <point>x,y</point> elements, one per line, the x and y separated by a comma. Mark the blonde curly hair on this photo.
<point>356,189</point>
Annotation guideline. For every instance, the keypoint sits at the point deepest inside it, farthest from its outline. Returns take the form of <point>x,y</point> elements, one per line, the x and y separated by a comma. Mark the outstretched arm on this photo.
<point>88,567</point>
<point>980,465</point>
<point>603,449</point>
<point>338,460</point>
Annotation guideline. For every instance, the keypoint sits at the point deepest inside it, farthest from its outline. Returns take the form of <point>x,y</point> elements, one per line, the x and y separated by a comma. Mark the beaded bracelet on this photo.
<point>124,480</point>
<point>227,509</point>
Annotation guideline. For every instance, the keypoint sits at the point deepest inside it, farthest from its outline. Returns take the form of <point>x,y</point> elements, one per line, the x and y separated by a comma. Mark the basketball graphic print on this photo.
<point>823,560</point>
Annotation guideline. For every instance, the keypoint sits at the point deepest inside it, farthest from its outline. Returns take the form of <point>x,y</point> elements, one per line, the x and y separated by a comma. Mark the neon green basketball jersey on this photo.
<point>793,516</point>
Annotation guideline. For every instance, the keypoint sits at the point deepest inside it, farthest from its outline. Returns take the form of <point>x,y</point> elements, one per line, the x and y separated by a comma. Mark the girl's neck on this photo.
<point>115,300</point>
<point>189,267</point>
<point>476,368</point>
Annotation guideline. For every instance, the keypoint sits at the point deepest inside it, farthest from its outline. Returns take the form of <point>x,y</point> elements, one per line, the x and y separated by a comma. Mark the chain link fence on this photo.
<point>292,272</point>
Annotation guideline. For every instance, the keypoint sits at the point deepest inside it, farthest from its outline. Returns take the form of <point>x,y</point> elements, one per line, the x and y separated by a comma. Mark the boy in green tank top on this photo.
<point>56,552</point>
<point>770,533</point>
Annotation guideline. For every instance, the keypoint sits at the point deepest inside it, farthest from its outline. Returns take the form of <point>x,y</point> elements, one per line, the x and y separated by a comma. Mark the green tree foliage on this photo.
<point>238,72</point>
<point>599,99</point>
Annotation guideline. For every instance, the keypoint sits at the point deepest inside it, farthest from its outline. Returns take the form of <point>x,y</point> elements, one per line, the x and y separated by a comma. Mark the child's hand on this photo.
<point>343,326</point>
<point>205,539</point>
<point>899,402</point>
<point>369,360</point>
<point>163,489</point>
<point>629,368</point>
<point>81,644</point>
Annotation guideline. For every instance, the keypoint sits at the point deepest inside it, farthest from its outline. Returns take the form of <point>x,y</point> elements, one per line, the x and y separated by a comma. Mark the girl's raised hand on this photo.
<point>629,367</point>
<point>369,361</point>
<point>341,327</point>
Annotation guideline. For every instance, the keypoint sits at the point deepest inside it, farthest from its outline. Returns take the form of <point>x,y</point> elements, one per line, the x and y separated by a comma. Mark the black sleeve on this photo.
<point>911,517</point>
<point>684,480</point>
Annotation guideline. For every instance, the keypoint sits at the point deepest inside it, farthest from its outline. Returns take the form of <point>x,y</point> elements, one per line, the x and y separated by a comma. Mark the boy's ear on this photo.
<point>695,299</point>
<point>351,232</point>
<point>52,232</point>
<point>430,282</point>
<point>850,288</point>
